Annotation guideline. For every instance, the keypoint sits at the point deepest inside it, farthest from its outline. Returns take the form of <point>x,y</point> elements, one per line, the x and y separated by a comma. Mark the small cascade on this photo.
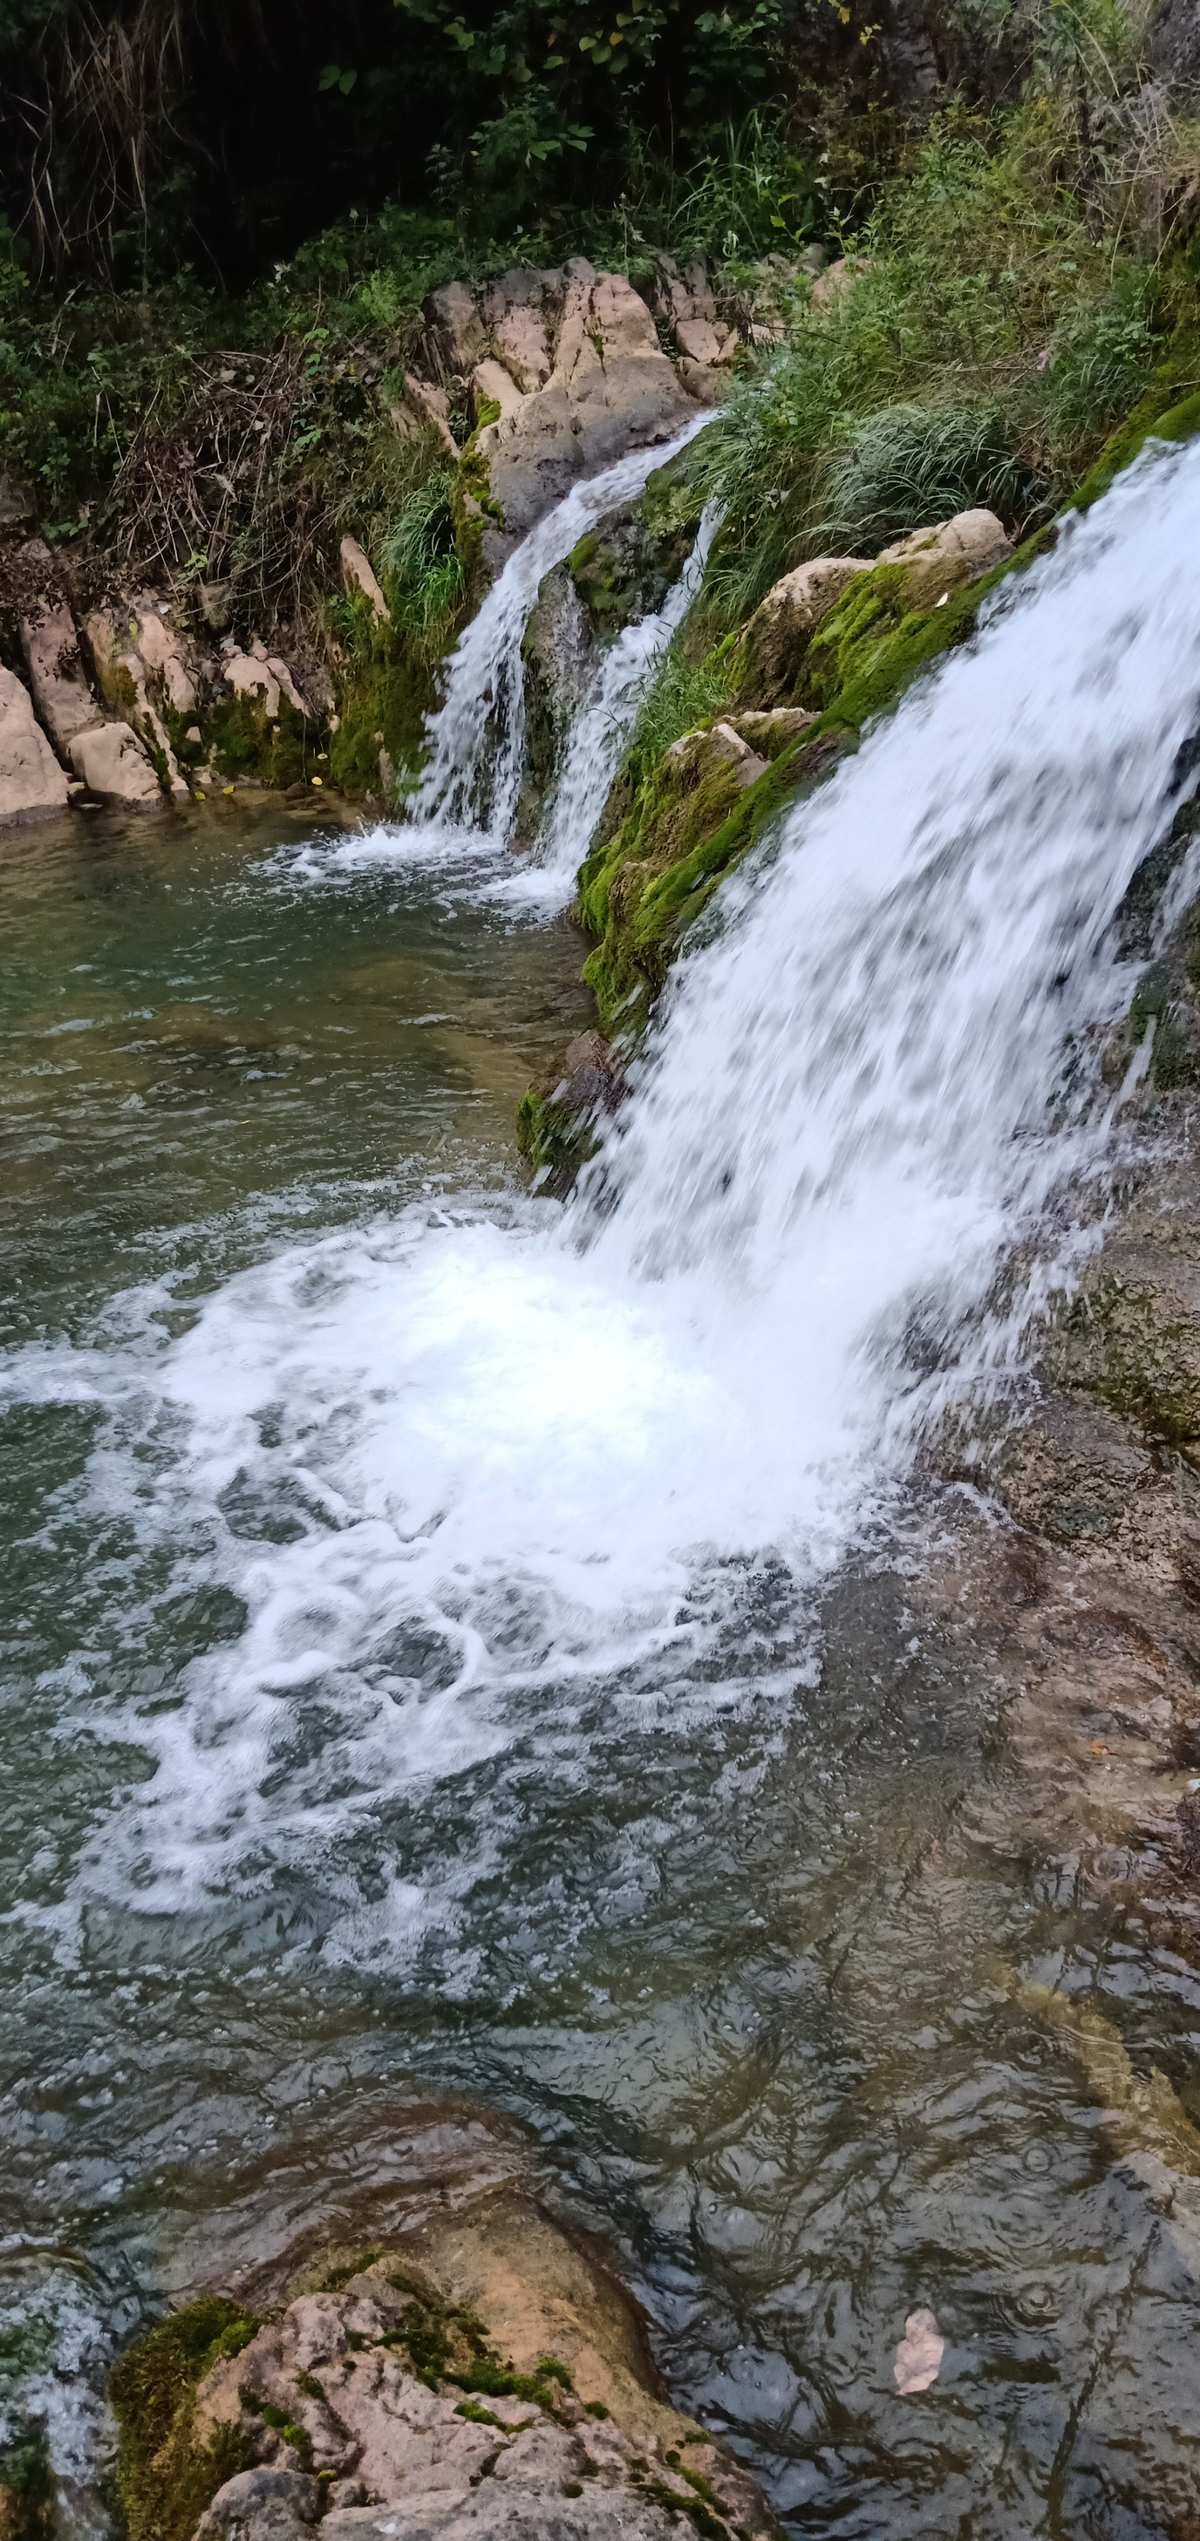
<point>477,736</point>
<point>602,727</point>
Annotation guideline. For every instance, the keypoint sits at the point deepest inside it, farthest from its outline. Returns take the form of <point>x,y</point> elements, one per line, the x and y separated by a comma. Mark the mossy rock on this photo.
<point>1132,1344</point>
<point>382,705</point>
<point>625,568</point>
<point>243,740</point>
<point>558,1120</point>
<point>473,504</point>
<point>166,2476</point>
<point>641,891</point>
<point>27,2511</point>
<point>1169,411</point>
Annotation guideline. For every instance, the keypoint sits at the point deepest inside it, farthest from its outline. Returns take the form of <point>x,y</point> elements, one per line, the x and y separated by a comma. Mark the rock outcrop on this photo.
<point>110,760</point>
<point>773,646</point>
<point>483,2377</point>
<point>934,562</point>
<point>54,664</point>
<point>611,388</point>
<point>31,781</point>
<point>359,575</point>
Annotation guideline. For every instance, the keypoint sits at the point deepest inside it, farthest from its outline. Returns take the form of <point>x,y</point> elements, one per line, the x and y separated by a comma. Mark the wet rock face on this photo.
<point>485,2378</point>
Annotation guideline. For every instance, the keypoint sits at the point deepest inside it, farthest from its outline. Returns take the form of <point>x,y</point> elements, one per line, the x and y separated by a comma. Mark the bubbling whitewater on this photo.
<point>525,1454</point>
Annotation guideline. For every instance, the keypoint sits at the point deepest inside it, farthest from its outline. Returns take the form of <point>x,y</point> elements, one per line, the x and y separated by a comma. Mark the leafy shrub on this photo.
<point>1100,357</point>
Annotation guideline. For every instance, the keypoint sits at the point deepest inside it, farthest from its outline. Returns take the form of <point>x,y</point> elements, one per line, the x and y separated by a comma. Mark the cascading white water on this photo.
<point>533,1450</point>
<point>477,736</point>
<point>601,728</point>
<point>859,1100</point>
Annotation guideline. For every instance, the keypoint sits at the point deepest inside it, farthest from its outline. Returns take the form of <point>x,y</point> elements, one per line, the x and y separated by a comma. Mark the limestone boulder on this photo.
<point>142,667</point>
<point>519,313</point>
<point>769,661</point>
<point>112,762</point>
<point>54,666</point>
<point>429,407</point>
<point>459,331</point>
<point>358,575</point>
<point>611,389</point>
<point>481,2376</point>
<point>718,751</point>
<point>771,729</point>
<point>165,659</point>
<point>935,562</point>
<point>263,2505</point>
<point>264,677</point>
<point>493,385</point>
<point>835,280</point>
<point>32,783</point>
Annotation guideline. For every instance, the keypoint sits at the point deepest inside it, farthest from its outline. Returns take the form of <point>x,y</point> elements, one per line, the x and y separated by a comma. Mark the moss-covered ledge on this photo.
<point>642,888</point>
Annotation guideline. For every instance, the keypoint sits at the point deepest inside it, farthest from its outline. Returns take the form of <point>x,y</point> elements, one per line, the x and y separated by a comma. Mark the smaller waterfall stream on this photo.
<point>477,736</point>
<point>606,718</point>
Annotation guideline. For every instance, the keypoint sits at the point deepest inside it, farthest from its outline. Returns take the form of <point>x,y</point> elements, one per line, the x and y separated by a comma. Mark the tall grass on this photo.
<point>980,354</point>
<point>421,564</point>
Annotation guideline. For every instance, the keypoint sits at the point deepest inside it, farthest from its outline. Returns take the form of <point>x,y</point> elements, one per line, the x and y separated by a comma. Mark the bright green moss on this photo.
<point>165,2476</point>
<point>244,741</point>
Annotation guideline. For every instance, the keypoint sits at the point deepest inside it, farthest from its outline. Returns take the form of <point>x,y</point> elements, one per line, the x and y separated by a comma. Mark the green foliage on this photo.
<point>685,694</point>
<point>983,303</point>
<point>1100,356</point>
<point>421,564</point>
<point>907,465</point>
<point>165,2476</point>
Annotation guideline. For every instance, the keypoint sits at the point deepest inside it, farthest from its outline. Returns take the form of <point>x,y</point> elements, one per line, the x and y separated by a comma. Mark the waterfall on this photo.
<point>881,1076</point>
<point>477,736</point>
<point>603,724</point>
<point>547,1461</point>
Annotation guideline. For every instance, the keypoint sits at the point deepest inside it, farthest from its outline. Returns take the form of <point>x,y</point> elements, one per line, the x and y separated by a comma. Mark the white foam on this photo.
<point>528,1451</point>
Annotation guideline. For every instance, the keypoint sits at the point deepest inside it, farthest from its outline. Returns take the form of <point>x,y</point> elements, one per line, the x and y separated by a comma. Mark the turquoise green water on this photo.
<point>738,1938</point>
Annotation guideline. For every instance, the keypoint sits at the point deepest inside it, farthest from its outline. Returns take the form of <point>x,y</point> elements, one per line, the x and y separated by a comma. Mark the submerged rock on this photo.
<point>483,2375</point>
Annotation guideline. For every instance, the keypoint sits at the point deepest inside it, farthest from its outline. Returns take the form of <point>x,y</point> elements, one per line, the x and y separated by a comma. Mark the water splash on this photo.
<point>601,729</point>
<point>477,737</point>
<point>464,1470</point>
